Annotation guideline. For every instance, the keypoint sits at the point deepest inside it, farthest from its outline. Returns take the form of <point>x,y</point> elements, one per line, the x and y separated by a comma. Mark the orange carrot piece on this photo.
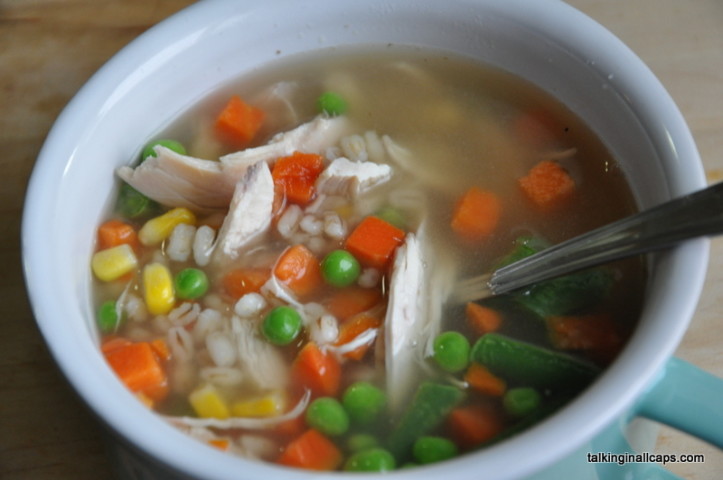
<point>241,281</point>
<point>476,214</point>
<point>482,380</point>
<point>547,185</point>
<point>300,270</point>
<point>595,334</point>
<point>312,451</point>
<point>472,425</point>
<point>238,122</point>
<point>220,443</point>
<point>296,174</point>
<point>353,328</point>
<point>374,241</point>
<point>114,232</point>
<point>138,366</point>
<point>319,371</point>
<point>482,319</point>
<point>161,349</point>
<point>350,301</point>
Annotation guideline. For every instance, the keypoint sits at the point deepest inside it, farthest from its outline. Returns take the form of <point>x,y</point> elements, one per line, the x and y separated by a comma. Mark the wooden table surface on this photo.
<point>49,48</point>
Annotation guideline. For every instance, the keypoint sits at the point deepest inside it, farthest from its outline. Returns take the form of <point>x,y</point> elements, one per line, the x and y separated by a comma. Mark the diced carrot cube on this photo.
<point>312,451</point>
<point>317,370</point>
<point>595,334</point>
<point>300,270</point>
<point>241,281</point>
<point>472,425</point>
<point>482,319</point>
<point>238,122</point>
<point>482,380</point>
<point>350,301</point>
<point>476,214</point>
<point>354,327</point>
<point>374,241</point>
<point>296,174</point>
<point>115,232</point>
<point>139,368</point>
<point>547,185</point>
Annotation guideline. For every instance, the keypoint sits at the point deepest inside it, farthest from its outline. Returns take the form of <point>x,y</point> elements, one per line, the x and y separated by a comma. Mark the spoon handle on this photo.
<point>694,215</point>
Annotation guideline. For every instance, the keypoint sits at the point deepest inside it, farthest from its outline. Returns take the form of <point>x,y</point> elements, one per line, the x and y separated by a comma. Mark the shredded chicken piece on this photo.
<point>249,215</point>
<point>260,361</point>
<point>204,185</point>
<point>347,178</point>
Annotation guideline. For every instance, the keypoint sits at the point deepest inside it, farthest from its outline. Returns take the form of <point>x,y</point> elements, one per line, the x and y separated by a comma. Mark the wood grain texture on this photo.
<point>49,48</point>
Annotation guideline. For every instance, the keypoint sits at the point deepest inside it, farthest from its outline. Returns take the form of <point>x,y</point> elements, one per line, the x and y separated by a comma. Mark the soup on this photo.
<point>280,280</point>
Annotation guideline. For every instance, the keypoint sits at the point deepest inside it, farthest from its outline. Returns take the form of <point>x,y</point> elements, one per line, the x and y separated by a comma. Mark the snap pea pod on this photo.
<point>526,364</point>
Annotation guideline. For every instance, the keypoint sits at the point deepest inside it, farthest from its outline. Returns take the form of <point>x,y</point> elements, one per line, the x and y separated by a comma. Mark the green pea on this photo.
<point>108,319</point>
<point>340,269</point>
<point>331,103</point>
<point>451,351</point>
<point>364,402</point>
<point>520,401</point>
<point>361,441</point>
<point>148,150</point>
<point>431,449</point>
<point>281,325</point>
<point>133,204</point>
<point>327,416</point>
<point>392,216</point>
<point>191,283</point>
<point>370,460</point>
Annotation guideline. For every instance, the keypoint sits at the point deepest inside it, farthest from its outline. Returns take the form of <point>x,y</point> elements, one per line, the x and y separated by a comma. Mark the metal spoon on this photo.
<point>694,215</point>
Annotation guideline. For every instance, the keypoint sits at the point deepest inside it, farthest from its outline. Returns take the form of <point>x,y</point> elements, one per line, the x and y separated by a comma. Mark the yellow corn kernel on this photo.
<point>269,405</point>
<point>158,288</point>
<point>114,262</point>
<point>207,402</point>
<point>157,229</point>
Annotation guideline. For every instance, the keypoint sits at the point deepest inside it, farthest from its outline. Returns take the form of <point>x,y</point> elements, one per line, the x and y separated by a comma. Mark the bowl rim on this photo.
<point>688,260</point>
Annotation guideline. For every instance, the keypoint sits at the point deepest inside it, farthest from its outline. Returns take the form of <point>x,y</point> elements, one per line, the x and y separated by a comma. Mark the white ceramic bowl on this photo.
<point>183,59</point>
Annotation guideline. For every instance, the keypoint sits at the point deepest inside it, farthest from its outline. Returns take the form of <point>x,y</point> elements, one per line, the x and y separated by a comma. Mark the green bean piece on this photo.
<point>282,325</point>
<point>364,402</point>
<point>430,405</point>
<point>370,460</point>
<point>432,449</point>
<point>526,364</point>
<point>451,351</point>
<point>521,401</point>
<point>328,416</point>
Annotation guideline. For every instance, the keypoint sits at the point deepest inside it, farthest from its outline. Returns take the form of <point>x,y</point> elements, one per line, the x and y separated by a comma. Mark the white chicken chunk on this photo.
<point>344,177</point>
<point>404,319</point>
<point>419,286</point>
<point>178,180</point>
<point>261,362</point>
<point>249,215</point>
